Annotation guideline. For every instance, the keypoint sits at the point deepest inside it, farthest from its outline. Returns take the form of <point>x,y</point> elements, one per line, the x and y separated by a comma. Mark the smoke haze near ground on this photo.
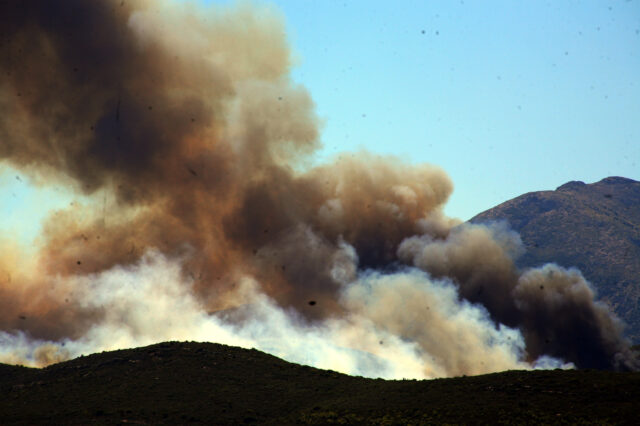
<point>182,127</point>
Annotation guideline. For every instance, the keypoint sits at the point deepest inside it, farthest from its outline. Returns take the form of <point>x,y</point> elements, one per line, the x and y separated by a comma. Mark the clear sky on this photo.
<point>507,96</point>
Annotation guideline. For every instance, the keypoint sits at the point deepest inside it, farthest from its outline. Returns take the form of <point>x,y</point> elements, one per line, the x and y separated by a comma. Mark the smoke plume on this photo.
<point>180,127</point>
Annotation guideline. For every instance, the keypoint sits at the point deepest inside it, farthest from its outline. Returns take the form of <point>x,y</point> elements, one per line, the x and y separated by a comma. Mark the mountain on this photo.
<point>206,383</point>
<point>594,227</point>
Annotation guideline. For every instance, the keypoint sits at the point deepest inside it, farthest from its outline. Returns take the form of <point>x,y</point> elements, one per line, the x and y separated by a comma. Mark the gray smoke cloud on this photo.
<point>180,127</point>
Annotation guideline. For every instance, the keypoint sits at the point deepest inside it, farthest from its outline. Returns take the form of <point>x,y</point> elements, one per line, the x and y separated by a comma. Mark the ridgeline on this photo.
<point>594,227</point>
<point>206,383</point>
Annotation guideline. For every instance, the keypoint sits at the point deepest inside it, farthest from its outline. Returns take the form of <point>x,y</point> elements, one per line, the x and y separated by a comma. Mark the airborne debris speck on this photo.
<point>193,172</point>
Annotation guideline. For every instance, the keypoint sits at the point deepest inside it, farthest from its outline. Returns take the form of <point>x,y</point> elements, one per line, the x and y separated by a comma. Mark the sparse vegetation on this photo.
<point>182,383</point>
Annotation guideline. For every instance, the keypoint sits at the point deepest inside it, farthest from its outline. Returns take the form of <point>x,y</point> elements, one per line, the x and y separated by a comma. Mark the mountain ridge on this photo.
<point>208,383</point>
<point>594,227</point>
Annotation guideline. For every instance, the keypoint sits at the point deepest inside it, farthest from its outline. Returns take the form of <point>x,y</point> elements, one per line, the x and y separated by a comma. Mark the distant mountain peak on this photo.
<point>595,227</point>
<point>617,180</point>
<point>571,186</point>
<point>576,185</point>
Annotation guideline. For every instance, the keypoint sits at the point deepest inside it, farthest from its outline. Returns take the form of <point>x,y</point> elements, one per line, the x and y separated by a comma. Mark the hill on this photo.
<point>197,383</point>
<point>594,227</point>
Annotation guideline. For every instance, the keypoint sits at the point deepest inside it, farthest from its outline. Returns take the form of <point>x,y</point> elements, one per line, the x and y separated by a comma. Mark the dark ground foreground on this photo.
<point>184,383</point>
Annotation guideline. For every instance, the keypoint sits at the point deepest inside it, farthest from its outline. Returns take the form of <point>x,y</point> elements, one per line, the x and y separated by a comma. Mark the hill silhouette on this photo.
<point>208,383</point>
<point>594,227</point>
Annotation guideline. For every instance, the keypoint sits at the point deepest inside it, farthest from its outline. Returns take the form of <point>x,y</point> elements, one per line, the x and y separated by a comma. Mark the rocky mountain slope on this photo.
<point>205,383</point>
<point>594,227</point>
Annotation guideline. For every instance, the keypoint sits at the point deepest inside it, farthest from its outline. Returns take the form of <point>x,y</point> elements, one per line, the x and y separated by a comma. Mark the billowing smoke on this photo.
<point>554,308</point>
<point>203,220</point>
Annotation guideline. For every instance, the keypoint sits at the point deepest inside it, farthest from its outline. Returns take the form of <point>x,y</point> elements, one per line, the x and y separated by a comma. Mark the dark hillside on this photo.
<point>594,227</point>
<point>204,383</point>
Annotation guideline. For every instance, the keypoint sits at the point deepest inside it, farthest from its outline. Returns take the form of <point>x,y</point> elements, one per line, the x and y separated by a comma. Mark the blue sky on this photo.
<point>506,96</point>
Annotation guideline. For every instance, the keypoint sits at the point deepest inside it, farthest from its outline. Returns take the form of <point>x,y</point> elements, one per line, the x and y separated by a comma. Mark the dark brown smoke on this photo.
<point>555,308</point>
<point>184,131</point>
<point>193,146</point>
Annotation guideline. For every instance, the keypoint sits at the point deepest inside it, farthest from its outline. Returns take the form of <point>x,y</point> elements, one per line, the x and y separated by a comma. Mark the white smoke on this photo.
<point>150,302</point>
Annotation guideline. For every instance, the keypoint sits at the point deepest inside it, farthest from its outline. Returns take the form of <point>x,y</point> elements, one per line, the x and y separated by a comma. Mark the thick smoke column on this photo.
<point>552,306</point>
<point>183,128</point>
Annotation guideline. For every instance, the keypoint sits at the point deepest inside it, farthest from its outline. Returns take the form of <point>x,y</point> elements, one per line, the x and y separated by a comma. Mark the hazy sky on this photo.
<point>507,96</point>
